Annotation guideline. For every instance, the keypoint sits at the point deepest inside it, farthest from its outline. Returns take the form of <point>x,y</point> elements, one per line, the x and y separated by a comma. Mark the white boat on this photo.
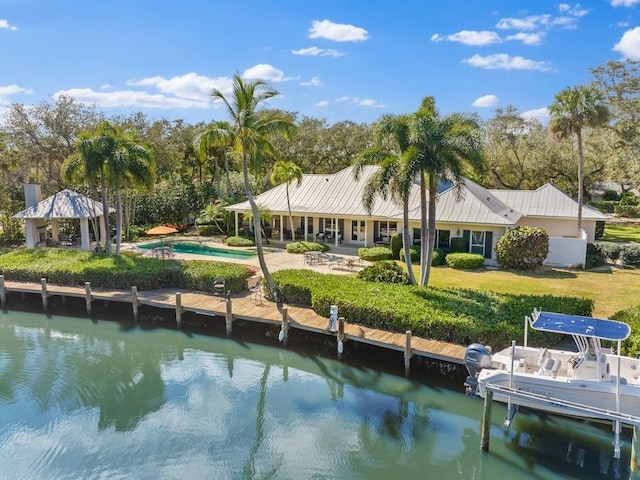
<point>561,381</point>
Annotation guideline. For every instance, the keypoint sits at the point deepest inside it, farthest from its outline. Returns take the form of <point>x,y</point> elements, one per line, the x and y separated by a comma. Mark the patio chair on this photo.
<point>320,237</point>
<point>220,288</point>
<point>256,292</point>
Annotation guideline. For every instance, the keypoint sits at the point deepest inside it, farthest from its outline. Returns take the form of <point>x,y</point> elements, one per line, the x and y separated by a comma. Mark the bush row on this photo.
<point>627,253</point>
<point>304,246</point>
<point>451,315</point>
<point>465,261</point>
<point>74,267</point>
<point>240,241</point>
<point>630,316</point>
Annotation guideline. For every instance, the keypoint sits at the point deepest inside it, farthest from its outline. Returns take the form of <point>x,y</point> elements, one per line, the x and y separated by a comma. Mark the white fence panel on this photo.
<point>564,252</point>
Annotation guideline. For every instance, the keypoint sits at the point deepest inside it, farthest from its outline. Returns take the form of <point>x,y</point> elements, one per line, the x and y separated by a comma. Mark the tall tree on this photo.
<point>442,148</point>
<point>250,132</point>
<point>390,180</point>
<point>287,172</point>
<point>573,110</point>
<point>206,145</point>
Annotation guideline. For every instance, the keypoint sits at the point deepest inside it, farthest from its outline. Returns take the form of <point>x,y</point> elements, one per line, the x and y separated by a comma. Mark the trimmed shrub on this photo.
<point>604,206</point>
<point>385,271</point>
<point>450,315</point>
<point>630,255</point>
<point>439,258</point>
<point>610,195</point>
<point>415,253</point>
<point>208,230</point>
<point>630,316</point>
<point>599,232</point>
<point>241,242</point>
<point>523,248</point>
<point>465,261</point>
<point>374,254</point>
<point>629,198</point>
<point>303,246</point>
<point>609,250</point>
<point>627,211</point>
<point>458,245</point>
<point>594,258</point>
<point>396,246</point>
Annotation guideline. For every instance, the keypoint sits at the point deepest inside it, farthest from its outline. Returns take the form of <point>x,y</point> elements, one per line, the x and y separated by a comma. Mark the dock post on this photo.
<point>407,354</point>
<point>284,328</point>
<point>340,337</point>
<point>3,294</point>
<point>134,302</point>
<point>485,430</point>
<point>634,467</point>
<point>178,309</point>
<point>229,315</point>
<point>43,284</point>
<point>87,297</point>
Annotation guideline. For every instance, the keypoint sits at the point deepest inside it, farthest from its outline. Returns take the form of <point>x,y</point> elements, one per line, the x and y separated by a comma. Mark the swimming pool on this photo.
<point>198,249</point>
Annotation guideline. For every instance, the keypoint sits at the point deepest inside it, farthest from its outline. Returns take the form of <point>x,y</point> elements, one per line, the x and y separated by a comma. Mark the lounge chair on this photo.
<point>256,292</point>
<point>220,288</point>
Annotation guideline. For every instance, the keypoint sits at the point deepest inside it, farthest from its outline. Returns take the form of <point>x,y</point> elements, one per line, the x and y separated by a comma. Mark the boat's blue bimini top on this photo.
<point>577,325</point>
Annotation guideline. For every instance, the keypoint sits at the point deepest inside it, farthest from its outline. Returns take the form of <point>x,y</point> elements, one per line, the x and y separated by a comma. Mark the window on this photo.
<point>329,225</point>
<point>477,242</point>
<point>443,239</point>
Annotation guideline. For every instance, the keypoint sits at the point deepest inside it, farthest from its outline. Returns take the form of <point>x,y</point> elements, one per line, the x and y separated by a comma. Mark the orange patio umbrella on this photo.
<point>161,230</point>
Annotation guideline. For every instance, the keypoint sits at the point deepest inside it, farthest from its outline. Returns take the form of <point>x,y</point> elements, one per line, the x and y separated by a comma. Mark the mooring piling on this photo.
<point>228,317</point>
<point>43,286</point>
<point>485,430</point>
<point>3,294</point>
<point>407,353</point>
<point>87,297</point>
<point>134,302</point>
<point>178,309</point>
<point>284,327</point>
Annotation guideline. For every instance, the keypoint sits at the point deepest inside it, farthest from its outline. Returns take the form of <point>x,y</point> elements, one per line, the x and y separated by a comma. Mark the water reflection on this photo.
<point>81,399</point>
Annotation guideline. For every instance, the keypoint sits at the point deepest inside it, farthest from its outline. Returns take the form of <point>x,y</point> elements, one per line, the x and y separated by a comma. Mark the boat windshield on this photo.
<point>577,325</point>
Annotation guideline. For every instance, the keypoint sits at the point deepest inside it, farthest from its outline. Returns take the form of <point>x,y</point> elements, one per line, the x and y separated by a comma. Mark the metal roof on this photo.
<point>577,325</point>
<point>546,201</point>
<point>64,204</point>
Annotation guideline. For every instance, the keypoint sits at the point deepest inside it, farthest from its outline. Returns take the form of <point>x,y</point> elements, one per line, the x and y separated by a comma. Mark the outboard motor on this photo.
<point>476,358</point>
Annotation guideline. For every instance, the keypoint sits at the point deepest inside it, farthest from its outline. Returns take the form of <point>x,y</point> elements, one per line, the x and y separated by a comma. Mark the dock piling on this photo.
<point>134,302</point>
<point>229,316</point>
<point>407,353</point>
<point>284,328</point>
<point>3,294</point>
<point>178,309</point>
<point>634,467</point>
<point>43,285</point>
<point>485,431</point>
<point>340,336</point>
<point>87,297</point>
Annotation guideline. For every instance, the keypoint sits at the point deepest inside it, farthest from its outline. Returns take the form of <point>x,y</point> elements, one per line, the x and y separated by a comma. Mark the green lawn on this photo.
<point>612,289</point>
<point>621,232</point>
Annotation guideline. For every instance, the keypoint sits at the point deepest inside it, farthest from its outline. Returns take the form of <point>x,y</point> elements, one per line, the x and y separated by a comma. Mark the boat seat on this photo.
<point>550,366</point>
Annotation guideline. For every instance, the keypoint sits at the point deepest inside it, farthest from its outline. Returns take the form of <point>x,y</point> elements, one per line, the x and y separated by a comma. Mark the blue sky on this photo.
<point>333,59</point>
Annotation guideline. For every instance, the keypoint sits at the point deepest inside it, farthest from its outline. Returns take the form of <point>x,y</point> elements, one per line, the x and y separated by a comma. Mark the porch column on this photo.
<point>84,234</point>
<point>55,229</point>
<point>236,218</point>
<point>281,228</point>
<point>366,232</point>
<point>306,227</point>
<point>103,234</point>
<point>31,232</point>
<point>336,233</point>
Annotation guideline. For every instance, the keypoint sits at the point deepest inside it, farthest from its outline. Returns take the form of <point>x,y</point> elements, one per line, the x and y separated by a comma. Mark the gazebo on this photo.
<point>66,204</point>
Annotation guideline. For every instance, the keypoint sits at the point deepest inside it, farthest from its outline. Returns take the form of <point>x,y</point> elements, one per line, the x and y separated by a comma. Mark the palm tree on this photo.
<point>209,142</point>
<point>441,149</point>
<point>573,110</point>
<point>287,172</point>
<point>250,132</point>
<point>389,179</point>
<point>109,159</point>
<point>264,215</point>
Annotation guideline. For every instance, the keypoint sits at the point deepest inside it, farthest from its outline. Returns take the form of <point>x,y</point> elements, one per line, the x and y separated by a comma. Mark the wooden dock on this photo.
<point>245,306</point>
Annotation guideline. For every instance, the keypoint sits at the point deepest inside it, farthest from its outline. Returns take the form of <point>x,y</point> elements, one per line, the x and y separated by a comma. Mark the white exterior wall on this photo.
<point>561,227</point>
<point>567,251</point>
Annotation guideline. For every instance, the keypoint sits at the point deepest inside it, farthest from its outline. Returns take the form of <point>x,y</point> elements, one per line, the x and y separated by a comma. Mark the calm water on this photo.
<point>95,400</point>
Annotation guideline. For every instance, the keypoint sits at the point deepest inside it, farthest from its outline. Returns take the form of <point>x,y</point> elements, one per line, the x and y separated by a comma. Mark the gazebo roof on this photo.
<point>64,204</point>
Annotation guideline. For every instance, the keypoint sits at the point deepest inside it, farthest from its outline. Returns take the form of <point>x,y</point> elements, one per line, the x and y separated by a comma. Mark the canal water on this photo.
<point>83,399</point>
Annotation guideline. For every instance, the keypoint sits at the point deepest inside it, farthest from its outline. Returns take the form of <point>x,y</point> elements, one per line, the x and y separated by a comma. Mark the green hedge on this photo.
<point>303,246</point>
<point>75,267</point>
<point>396,246</point>
<point>605,206</point>
<point>465,261</point>
<point>241,242</point>
<point>385,271</point>
<point>415,253</point>
<point>628,211</point>
<point>374,254</point>
<point>630,255</point>
<point>630,316</point>
<point>437,259</point>
<point>450,315</point>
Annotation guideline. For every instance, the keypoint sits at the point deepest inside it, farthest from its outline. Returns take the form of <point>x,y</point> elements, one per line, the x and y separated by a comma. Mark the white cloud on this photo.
<point>106,86</point>
<point>367,102</point>
<point>266,72</point>
<point>338,32</point>
<point>130,98</point>
<point>314,82</point>
<point>318,52</point>
<point>502,61</point>
<point>189,86</point>
<point>532,22</point>
<point>486,101</point>
<point>624,3</point>
<point>540,114</point>
<point>8,90</point>
<point>575,11</point>
<point>322,103</point>
<point>527,38</point>
<point>4,24</point>
<point>568,19</point>
<point>469,37</point>
<point>629,44</point>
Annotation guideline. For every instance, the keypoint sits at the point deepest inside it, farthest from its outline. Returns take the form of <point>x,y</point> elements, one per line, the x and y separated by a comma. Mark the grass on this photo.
<point>621,232</point>
<point>612,289</point>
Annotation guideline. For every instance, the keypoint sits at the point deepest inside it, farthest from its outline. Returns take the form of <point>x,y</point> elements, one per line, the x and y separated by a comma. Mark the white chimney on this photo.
<point>32,193</point>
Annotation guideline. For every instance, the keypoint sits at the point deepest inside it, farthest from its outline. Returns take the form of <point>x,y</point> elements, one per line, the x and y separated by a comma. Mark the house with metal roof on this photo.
<point>329,207</point>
